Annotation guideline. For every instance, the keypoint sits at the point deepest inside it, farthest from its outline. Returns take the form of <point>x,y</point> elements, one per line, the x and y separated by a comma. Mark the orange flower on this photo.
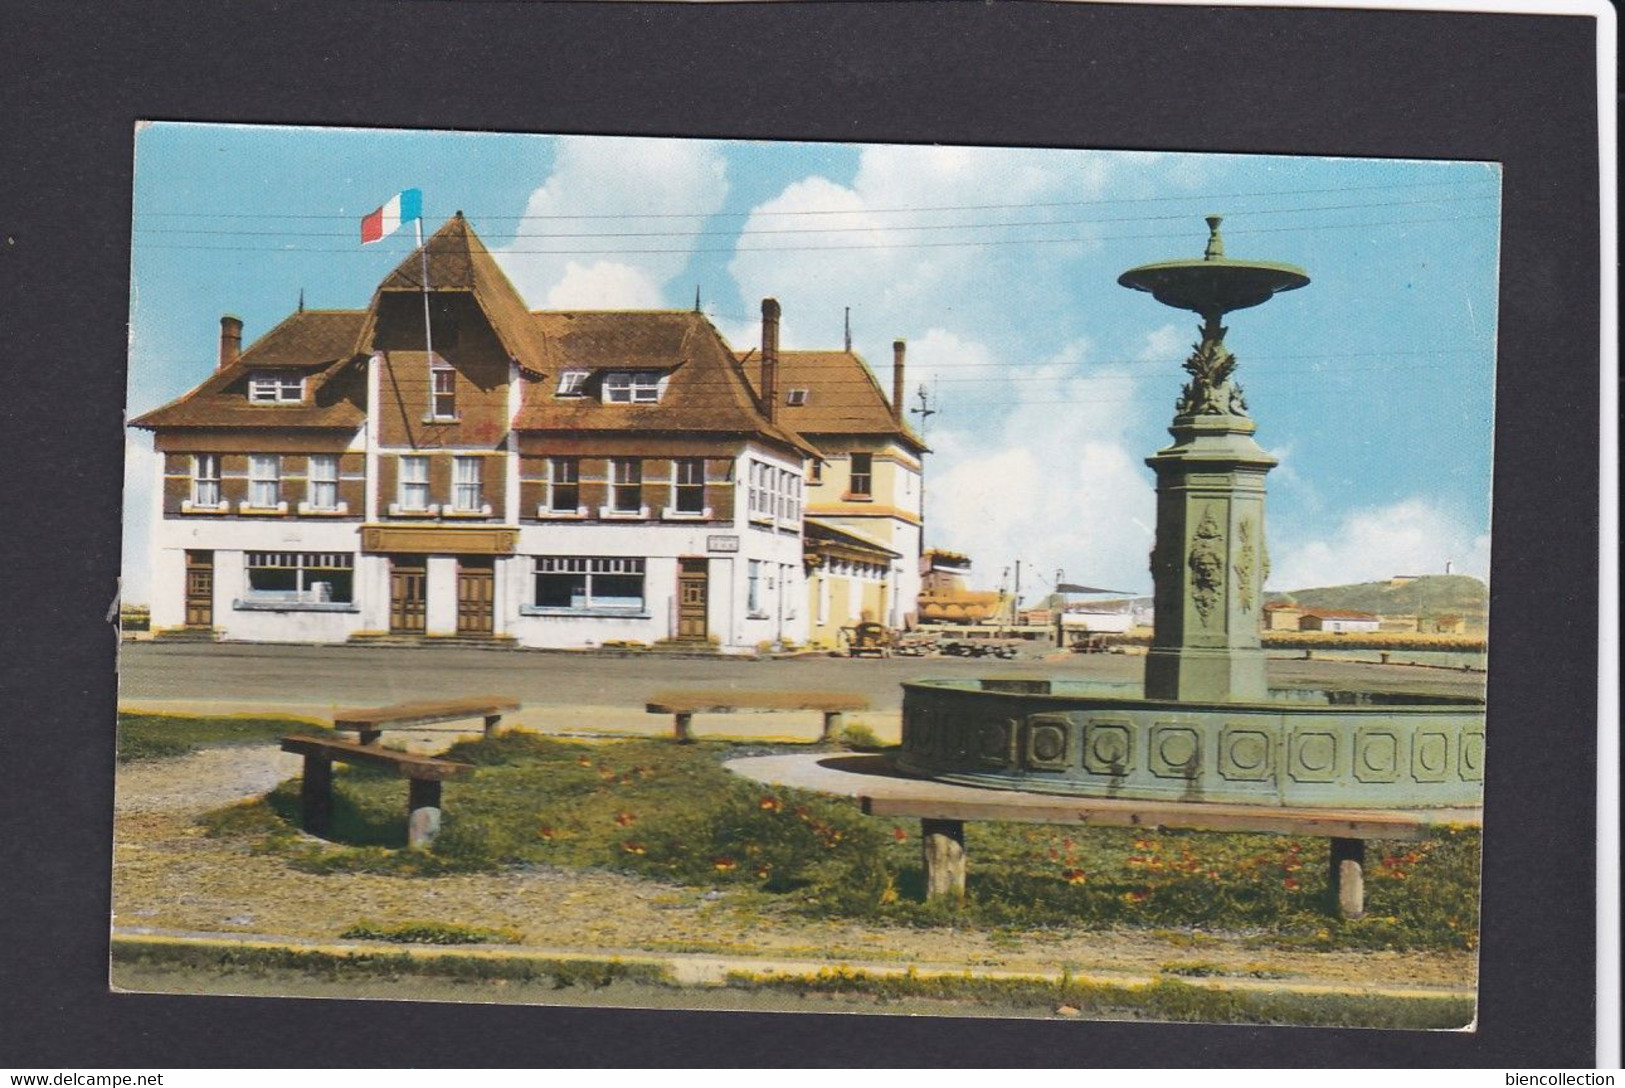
<point>723,865</point>
<point>583,761</point>
<point>632,847</point>
<point>1074,876</point>
<point>1136,861</point>
<point>899,834</point>
<point>625,819</point>
<point>772,804</point>
<point>1290,884</point>
<point>763,871</point>
<point>1136,897</point>
<point>546,832</point>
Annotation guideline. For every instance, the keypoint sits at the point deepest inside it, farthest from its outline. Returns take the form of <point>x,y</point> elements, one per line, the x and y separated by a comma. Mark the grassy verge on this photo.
<point>349,965</point>
<point>655,809</point>
<point>1165,999</point>
<point>159,736</point>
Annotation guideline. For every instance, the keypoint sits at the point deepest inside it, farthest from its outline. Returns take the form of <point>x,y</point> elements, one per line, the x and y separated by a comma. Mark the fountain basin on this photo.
<point>1298,747</point>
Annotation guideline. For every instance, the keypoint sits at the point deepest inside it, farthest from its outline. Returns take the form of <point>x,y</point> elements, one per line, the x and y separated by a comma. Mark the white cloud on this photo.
<point>604,285</point>
<point>1413,536</point>
<point>614,179</point>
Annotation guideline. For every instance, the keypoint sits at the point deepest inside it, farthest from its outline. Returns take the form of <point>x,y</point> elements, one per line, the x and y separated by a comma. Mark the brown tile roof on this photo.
<point>459,261</point>
<point>843,396</point>
<point>321,343</point>
<point>1338,614</point>
<point>708,391</point>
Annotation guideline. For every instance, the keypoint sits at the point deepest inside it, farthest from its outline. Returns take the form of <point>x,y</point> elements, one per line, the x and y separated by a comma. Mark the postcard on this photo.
<point>691,573</point>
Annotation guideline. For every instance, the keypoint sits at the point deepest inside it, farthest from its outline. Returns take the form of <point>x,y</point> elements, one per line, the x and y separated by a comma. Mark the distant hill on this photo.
<point>1429,594</point>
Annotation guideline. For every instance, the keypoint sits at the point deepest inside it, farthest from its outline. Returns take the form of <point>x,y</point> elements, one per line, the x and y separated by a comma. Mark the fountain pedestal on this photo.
<point>1209,563</point>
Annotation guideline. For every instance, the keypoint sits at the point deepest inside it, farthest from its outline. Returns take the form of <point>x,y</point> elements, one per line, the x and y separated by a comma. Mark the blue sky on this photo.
<point>1374,385</point>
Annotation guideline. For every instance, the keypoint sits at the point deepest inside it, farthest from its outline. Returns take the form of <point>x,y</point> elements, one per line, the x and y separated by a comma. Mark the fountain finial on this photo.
<point>1215,244</point>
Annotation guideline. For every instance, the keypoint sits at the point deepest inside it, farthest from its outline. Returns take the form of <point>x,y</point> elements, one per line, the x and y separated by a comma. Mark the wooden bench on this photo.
<point>423,774</point>
<point>683,705</point>
<point>942,827</point>
<point>370,722</point>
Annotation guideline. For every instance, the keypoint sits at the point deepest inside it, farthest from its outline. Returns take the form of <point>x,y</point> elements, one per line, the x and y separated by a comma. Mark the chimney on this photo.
<point>770,358</point>
<point>231,340</point>
<point>898,347</point>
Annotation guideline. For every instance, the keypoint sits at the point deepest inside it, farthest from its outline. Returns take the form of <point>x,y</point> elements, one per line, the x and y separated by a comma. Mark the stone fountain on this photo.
<point>1205,726</point>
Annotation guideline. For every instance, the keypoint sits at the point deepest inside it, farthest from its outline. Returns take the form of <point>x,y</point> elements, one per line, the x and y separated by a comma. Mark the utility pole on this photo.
<point>925,411</point>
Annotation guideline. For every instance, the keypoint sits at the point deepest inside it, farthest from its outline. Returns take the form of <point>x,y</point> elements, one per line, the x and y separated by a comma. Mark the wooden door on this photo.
<point>408,585</point>
<point>476,596</point>
<point>200,589</point>
<point>691,599</point>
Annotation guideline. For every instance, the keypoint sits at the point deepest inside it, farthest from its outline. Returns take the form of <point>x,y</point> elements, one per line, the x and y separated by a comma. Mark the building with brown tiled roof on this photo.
<point>555,479</point>
<point>870,478</point>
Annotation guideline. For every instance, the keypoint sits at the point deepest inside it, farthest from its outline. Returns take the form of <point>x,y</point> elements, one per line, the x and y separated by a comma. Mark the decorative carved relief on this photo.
<point>1211,392</point>
<point>1312,756</point>
<point>1472,757</point>
<point>1206,564</point>
<point>1246,754</point>
<point>1430,757</point>
<point>1244,564</point>
<point>1376,755</point>
<point>995,740</point>
<point>1108,748</point>
<point>1176,751</point>
<point>1048,747</point>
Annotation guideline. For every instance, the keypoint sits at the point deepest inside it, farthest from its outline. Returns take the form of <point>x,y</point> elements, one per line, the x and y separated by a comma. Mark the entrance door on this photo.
<point>200,589</point>
<point>476,594</point>
<point>408,584</point>
<point>691,599</point>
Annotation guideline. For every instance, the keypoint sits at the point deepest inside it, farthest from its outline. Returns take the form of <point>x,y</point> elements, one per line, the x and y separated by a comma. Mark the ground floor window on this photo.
<point>300,578</point>
<point>589,583</point>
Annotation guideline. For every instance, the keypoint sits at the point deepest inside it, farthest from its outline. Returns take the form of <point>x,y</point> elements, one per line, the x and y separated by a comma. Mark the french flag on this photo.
<point>404,207</point>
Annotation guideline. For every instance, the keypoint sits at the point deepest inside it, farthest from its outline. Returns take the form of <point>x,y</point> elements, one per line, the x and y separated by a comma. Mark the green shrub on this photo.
<point>859,736</point>
<point>428,933</point>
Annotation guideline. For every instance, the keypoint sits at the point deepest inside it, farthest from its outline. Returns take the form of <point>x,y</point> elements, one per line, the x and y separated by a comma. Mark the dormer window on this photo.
<point>795,398</point>
<point>632,387</point>
<point>269,387</point>
<point>572,383</point>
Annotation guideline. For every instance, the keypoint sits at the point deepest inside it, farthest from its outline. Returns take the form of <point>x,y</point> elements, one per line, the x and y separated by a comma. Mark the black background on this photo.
<point>1517,89</point>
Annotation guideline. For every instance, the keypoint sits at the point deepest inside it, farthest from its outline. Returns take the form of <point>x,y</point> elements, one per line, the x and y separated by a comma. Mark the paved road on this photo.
<point>355,675</point>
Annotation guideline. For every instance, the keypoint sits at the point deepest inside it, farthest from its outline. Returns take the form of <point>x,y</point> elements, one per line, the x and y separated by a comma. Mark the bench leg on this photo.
<point>316,795</point>
<point>681,728</point>
<point>491,723</point>
<point>1348,876</point>
<point>944,846</point>
<point>422,812</point>
<point>833,721</point>
<point>369,736</point>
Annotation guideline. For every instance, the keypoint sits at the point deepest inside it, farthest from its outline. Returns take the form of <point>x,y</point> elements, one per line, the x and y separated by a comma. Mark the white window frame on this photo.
<point>273,387</point>
<point>407,481</point>
<point>264,481</point>
<point>868,491</point>
<point>680,467</point>
<point>588,568</point>
<point>306,593</point>
<point>753,590</point>
<point>633,387</point>
<point>206,480</point>
<point>795,398</point>
<point>626,472</point>
<point>437,370</point>
<point>467,485</point>
<point>322,483</point>
<point>572,383</point>
<point>550,503</point>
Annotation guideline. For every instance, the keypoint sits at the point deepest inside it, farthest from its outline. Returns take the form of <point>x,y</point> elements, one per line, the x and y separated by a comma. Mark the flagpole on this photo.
<point>428,335</point>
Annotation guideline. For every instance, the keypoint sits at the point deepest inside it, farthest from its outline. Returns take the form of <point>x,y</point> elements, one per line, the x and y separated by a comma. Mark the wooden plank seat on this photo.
<point>423,774</point>
<point>942,827</point>
<point>370,722</point>
<point>683,705</point>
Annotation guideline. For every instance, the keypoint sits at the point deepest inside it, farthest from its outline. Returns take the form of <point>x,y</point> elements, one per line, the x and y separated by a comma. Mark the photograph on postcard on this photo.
<point>784,576</point>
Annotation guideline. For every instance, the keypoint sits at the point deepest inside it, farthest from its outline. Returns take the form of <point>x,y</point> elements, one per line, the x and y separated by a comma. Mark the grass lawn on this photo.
<point>159,736</point>
<point>653,808</point>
